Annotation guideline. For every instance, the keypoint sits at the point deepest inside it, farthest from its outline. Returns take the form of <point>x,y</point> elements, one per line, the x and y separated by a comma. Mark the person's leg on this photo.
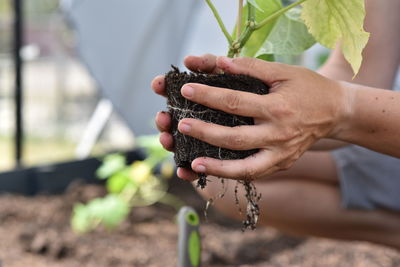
<point>305,200</point>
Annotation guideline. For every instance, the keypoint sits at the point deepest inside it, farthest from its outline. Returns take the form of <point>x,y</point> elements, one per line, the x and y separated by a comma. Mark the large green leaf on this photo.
<point>289,36</point>
<point>258,37</point>
<point>333,21</point>
<point>254,3</point>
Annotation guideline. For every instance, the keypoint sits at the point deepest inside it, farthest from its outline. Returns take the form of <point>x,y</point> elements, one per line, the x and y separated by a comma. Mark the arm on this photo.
<point>381,20</point>
<point>373,120</point>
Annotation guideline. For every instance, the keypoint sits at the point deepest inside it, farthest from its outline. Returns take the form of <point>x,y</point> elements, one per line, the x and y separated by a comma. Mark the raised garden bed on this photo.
<point>35,231</point>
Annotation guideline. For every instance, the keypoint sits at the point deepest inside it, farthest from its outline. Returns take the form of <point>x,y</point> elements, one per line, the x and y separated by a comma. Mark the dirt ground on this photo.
<point>35,231</point>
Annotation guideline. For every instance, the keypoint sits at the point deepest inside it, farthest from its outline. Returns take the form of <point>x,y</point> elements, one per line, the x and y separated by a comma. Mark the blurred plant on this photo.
<point>141,183</point>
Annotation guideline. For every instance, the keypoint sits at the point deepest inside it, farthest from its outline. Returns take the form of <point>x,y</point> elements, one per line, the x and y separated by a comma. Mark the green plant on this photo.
<point>128,186</point>
<point>266,28</point>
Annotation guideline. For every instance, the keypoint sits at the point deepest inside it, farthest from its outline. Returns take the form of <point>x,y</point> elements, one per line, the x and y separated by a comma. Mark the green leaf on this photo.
<point>254,3</point>
<point>117,182</point>
<point>289,36</point>
<point>333,21</point>
<point>109,211</point>
<point>258,37</point>
<point>267,57</point>
<point>111,164</point>
<point>149,192</point>
<point>81,222</point>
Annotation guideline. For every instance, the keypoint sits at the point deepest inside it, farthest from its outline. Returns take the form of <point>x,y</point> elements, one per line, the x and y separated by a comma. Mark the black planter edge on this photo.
<point>55,178</point>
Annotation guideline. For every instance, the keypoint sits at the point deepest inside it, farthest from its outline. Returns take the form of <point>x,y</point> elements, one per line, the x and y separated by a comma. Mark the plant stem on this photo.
<point>239,20</point>
<point>220,23</point>
<point>234,49</point>
<point>277,14</point>
<point>251,22</point>
<point>251,26</point>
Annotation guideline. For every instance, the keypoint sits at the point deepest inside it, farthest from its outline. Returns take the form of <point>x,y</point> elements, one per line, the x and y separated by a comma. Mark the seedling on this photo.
<point>264,29</point>
<point>128,186</point>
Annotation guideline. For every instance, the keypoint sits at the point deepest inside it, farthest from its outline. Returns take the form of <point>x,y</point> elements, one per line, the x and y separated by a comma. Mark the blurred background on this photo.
<point>73,55</point>
<point>59,94</point>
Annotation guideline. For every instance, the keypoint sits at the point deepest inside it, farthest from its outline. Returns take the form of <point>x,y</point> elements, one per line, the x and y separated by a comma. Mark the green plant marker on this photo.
<point>189,243</point>
<point>194,248</point>
<point>192,218</point>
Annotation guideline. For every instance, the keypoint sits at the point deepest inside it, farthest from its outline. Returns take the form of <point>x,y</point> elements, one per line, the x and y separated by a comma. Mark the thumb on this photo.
<point>268,72</point>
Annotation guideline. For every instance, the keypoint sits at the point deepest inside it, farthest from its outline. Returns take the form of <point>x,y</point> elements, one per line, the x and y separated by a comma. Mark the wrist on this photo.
<point>345,111</point>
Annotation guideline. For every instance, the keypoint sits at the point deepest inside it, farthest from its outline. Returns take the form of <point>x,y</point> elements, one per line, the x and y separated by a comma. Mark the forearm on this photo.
<point>373,119</point>
<point>381,16</point>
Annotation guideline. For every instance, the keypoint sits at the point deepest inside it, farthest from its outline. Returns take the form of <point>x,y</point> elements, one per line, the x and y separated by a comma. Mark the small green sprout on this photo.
<point>128,186</point>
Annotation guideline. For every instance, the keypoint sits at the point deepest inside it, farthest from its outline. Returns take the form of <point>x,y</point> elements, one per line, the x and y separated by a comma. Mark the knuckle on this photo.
<point>263,110</point>
<point>289,134</point>
<point>232,102</point>
<point>298,71</point>
<point>280,110</point>
<point>281,135</point>
<point>236,141</point>
<point>246,62</point>
<point>251,63</point>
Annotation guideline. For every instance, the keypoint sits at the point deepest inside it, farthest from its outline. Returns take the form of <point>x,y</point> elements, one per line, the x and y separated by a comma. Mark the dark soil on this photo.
<point>187,148</point>
<point>35,231</point>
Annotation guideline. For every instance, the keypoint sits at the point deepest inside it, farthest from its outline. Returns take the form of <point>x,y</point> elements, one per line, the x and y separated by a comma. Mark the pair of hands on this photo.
<point>301,108</point>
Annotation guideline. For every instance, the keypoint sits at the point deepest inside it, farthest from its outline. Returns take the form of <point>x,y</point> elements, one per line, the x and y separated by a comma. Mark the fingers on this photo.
<point>163,121</point>
<point>158,85</point>
<point>250,168</point>
<point>167,141</point>
<point>236,138</point>
<point>230,101</point>
<point>187,174</point>
<point>269,72</point>
<point>205,63</point>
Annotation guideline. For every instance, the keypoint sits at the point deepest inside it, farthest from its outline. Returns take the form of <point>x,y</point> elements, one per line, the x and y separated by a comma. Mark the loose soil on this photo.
<point>35,231</point>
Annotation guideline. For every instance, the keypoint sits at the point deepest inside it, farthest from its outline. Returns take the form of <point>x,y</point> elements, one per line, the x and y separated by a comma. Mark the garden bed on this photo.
<point>35,231</point>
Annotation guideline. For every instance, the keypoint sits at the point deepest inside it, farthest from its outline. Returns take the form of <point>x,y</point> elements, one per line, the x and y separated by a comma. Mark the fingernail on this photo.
<point>200,168</point>
<point>184,127</point>
<point>187,91</point>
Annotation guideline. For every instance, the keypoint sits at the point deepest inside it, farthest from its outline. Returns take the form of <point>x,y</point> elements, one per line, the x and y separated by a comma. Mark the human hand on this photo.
<point>204,64</point>
<point>301,108</point>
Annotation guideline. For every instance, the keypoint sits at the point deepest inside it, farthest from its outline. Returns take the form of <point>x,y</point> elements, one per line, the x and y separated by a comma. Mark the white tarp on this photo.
<point>125,43</point>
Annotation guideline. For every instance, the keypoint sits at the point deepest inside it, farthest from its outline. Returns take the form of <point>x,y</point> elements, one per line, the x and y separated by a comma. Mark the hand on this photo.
<point>301,108</point>
<point>206,64</point>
